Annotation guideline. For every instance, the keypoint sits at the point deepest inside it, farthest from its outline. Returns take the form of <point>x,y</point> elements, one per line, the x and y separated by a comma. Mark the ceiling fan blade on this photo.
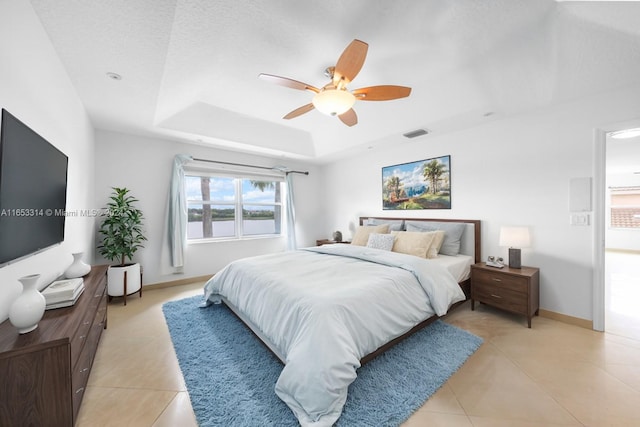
<point>381,93</point>
<point>287,82</point>
<point>299,111</point>
<point>350,62</point>
<point>349,118</point>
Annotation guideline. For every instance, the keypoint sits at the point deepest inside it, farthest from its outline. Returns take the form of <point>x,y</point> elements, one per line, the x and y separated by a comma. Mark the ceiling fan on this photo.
<point>334,98</point>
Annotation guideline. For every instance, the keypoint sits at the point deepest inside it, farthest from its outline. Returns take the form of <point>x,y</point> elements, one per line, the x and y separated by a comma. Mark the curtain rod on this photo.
<point>275,168</point>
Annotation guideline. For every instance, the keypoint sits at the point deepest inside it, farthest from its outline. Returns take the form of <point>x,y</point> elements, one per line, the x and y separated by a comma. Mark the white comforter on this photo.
<point>324,308</point>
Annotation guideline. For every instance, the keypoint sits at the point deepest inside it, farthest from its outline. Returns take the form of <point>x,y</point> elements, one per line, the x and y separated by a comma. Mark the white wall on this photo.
<point>35,88</point>
<point>513,171</point>
<point>144,166</point>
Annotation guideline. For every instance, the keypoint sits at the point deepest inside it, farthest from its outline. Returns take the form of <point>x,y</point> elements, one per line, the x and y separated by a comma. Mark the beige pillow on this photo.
<point>412,242</point>
<point>362,233</point>
<point>436,244</point>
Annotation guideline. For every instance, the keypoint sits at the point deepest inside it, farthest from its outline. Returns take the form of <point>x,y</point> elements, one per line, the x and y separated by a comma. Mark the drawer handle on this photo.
<point>496,296</point>
<point>82,337</point>
<point>84,370</point>
<point>495,279</point>
<point>80,390</point>
<point>86,322</point>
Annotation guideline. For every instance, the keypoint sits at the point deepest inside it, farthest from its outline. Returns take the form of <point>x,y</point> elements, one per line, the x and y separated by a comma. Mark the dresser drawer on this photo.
<point>514,283</point>
<point>82,368</point>
<point>501,297</point>
<point>80,337</point>
<point>97,302</point>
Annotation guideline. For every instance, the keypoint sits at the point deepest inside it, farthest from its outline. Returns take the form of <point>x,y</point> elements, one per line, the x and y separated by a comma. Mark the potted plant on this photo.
<point>122,236</point>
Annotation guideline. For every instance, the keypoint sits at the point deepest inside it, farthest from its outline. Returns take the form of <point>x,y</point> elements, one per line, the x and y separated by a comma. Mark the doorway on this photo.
<point>621,236</point>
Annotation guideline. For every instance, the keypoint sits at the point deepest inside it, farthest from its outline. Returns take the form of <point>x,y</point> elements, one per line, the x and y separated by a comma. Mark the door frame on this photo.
<point>599,226</point>
<point>599,184</point>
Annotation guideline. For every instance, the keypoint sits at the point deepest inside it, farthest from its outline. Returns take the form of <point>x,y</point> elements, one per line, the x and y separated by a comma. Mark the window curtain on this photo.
<point>177,218</point>
<point>291,215</point>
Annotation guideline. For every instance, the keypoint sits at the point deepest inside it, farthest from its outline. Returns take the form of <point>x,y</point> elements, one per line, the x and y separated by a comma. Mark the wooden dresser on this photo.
<point>513,289</point>
<point>43,374</point>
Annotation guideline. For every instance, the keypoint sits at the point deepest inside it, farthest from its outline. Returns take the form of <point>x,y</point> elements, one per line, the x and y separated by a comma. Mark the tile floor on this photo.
<point>622,293</point>
<point>551,375</point>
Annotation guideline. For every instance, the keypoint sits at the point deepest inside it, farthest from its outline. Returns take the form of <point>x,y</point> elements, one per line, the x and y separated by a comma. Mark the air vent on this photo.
<point>415,133</point>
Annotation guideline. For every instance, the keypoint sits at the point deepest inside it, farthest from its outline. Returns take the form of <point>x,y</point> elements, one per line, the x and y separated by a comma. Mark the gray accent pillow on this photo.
<point>381,241</point>
<point>452,233</point>
<point>394,224</point>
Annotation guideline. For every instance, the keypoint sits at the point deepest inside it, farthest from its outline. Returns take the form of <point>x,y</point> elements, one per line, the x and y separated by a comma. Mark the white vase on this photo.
<point>78,268</point>
<point>27,310</point>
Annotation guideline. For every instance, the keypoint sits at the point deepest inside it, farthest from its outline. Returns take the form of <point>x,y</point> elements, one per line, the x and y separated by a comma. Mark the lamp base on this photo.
<point>514,258</point>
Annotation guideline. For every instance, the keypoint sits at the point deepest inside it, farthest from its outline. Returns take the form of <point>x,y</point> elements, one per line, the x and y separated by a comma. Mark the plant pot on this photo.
<point>78,268</point>
<point>115,280</point>
<point>27,310</point>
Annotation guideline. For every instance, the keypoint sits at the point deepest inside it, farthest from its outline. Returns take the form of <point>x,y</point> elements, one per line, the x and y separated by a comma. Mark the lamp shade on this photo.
<point>515,237</point>
<point>333,102</point>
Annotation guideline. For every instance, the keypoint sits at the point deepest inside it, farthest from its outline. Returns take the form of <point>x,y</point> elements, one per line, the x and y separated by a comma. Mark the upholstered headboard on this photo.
<point>470,243</point>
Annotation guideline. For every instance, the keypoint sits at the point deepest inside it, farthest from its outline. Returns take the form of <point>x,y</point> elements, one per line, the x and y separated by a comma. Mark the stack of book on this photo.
<point>63,293</point>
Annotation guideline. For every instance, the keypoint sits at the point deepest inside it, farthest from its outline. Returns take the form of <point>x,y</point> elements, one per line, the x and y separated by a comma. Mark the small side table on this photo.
<point>321,242</point>
<point>512,289</point>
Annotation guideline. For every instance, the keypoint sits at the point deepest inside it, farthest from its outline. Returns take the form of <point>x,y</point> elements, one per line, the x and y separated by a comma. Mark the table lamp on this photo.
<point>515,238</point>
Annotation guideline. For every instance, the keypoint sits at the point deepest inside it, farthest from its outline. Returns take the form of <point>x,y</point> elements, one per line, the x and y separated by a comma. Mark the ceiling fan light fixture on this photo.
<point>625,134</point>
<point>333,102</point>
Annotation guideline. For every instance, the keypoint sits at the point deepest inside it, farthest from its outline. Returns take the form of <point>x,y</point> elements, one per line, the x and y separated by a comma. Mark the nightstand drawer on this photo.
<point>500,297</point>
<point>514,283</point>
<point>512,289</point>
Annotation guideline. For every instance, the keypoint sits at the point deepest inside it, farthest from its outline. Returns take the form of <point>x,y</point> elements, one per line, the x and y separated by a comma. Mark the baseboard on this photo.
<point>623,251</point>
<point>575,321</point>
<point>179,282</point>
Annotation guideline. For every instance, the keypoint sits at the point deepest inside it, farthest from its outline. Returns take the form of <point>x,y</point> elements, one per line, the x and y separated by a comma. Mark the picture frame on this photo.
<point>423,184</point>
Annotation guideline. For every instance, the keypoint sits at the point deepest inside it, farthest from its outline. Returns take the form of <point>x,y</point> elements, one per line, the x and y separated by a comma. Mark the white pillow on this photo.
<point>381,241</point>
<point>361,237</point>
<point>394,224</point>
<point>452,234</point>
<point>434,249</point>
<point>412,242</point>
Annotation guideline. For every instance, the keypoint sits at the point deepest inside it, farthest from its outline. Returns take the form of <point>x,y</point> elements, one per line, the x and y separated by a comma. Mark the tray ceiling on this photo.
<point>189,67</point>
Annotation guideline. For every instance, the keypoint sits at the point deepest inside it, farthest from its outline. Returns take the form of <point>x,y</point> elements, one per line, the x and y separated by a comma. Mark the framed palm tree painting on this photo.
<point>425,184</point>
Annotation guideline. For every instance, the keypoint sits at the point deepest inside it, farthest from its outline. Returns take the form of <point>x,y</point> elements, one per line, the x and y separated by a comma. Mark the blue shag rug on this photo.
<point>231,375</point>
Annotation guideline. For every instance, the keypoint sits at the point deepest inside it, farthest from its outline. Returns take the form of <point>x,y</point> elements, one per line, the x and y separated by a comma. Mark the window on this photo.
<point>625,207</point>
<point>232,207</point>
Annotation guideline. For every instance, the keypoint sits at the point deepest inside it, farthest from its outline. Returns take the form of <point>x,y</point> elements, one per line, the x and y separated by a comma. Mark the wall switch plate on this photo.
<point>579,219</point>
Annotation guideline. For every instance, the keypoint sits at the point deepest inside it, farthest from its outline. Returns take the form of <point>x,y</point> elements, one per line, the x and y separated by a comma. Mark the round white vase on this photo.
<point>78,268</point>
<point>27,310</point>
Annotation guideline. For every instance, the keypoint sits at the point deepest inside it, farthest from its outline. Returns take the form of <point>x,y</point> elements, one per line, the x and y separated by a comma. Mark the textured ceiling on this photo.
<point>190,67</point>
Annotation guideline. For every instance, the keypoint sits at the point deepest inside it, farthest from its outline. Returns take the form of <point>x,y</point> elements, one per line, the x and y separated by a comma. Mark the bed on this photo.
<point>324,311</point>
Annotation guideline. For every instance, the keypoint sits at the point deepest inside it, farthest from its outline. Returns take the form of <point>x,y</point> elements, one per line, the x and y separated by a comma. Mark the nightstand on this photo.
<point>512,289</point>
<point>321,242</point>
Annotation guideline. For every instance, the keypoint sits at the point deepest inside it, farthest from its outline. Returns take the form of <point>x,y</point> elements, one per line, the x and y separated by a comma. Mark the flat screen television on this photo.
<point>33,191</point>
